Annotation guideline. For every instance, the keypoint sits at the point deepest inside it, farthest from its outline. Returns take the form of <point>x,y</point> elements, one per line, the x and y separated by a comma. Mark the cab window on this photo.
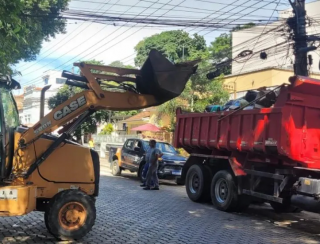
<point>10,112</point>
<point>129,145</point>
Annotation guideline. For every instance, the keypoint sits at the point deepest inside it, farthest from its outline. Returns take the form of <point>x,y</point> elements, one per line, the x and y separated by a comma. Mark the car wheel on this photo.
<point>115,169</point>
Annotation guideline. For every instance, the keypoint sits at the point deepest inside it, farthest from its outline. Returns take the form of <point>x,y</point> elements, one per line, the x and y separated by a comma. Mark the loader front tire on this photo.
<point>70,215</point>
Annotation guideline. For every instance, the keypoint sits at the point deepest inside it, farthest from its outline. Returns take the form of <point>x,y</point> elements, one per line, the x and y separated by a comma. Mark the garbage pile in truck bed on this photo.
<point>262,98</point>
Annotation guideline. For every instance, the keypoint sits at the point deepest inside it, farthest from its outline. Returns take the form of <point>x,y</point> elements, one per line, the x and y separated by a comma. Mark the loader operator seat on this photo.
<point>9,121</point>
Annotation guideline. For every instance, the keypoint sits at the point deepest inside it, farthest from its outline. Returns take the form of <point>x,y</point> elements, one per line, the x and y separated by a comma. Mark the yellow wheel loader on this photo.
<point>53,174</point>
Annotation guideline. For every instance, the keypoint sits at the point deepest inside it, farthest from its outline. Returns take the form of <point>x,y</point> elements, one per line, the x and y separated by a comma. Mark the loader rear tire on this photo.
<point>198,183</point>
<point>70,215</point>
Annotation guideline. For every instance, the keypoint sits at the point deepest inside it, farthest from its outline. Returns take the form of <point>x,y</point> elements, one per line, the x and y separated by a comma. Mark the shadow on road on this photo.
<point>133,176</point>
<point>304,221</point>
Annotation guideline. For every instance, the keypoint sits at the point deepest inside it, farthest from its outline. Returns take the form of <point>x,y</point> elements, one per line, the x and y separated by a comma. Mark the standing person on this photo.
<point>144,174</point>
<point>91,143</point>
<point>152,157</point>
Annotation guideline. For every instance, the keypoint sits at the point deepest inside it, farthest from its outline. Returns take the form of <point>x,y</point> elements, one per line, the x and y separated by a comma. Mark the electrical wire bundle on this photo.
<point>160,14</point>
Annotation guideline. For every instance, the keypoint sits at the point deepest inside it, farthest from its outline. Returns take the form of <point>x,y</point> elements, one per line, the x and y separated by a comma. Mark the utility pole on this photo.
<point>298,24</point>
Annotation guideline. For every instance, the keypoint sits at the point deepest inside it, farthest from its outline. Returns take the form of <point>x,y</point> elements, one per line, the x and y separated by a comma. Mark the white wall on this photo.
<point>50,77</point>
<point>31,104</point>
<point>278,56</point>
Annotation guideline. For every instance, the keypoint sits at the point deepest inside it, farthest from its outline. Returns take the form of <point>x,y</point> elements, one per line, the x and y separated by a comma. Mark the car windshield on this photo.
<point>165,148</point>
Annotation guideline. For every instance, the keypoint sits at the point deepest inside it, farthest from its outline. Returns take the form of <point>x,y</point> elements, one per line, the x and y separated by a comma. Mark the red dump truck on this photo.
<point>271,154</point>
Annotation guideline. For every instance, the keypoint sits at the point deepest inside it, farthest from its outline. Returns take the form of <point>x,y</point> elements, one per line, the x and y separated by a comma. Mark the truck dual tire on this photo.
<point>224,194</point>
<point>115,168</point>
<point>70,215</point>
<point>198,183</point>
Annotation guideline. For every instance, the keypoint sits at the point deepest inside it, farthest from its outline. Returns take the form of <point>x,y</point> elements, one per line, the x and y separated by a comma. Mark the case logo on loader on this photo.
<point>41,126</point>
<point>74,105</point>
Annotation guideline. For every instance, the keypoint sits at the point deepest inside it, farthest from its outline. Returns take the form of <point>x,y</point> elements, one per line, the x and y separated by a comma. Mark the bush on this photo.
<point>107,130</point>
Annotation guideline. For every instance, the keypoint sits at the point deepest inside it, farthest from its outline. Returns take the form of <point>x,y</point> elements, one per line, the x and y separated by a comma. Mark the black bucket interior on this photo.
<point>163,79</point>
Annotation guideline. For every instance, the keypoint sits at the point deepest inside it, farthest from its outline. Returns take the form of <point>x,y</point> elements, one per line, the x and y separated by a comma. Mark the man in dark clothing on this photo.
<point>152,157</point>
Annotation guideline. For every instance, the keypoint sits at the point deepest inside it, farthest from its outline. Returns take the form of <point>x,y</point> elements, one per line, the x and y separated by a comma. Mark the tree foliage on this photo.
<point>24,24</point>
<point>179,46</point>
<point>107,129</point>
<point>175,45</point>
<point>221,47</point>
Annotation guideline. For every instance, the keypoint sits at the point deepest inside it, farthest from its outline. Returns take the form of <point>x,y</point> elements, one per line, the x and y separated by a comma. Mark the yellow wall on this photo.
<point>254,80</point>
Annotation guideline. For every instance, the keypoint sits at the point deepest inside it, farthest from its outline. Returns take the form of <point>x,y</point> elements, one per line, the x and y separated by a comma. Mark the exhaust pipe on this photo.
<point>42,100</point>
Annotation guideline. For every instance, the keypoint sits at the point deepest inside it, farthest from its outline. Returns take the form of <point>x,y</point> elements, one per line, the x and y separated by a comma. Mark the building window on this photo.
<point>60,81</point>
<point>27,118</point>
<point>46,81</point>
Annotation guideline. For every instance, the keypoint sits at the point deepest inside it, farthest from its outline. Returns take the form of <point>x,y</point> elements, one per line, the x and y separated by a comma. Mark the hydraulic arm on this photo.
<point>157,82</point>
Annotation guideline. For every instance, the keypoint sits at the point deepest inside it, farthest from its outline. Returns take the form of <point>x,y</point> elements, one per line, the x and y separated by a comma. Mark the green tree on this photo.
<point>23,27</point>
<point>119,64</point>
<point>176,45</point>
<point>107,129</point>
<point>179,46</point>
<point>221,47</point>
<point>203,92</point>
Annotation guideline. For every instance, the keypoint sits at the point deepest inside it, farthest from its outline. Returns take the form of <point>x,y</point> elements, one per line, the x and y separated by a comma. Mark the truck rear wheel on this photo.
<point>224,193</point>
<point>70,215</point>
<point>198,183</point>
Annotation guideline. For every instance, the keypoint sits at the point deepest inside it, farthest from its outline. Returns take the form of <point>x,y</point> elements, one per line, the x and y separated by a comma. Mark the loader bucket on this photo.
<point>163,79</point>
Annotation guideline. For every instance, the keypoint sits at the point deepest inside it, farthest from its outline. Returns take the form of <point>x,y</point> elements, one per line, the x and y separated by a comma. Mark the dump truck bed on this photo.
<point>288,133</point>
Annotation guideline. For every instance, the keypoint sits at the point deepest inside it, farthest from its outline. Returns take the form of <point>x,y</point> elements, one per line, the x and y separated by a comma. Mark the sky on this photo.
<point>108,43</point>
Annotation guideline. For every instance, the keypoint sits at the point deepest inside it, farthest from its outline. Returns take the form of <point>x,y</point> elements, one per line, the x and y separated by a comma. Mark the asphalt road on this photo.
<point>127,214</point>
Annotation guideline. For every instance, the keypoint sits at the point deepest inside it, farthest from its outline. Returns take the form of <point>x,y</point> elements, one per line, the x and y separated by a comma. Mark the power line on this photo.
<point>104,44</point>
<point>257,40</point>
<point>242,16</point>
<point>64,40</point>
<point>80,45</point>
<point>110,41</point>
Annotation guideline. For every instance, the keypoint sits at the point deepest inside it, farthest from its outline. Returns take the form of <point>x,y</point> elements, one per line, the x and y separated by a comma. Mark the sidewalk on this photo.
<point>105,167</point>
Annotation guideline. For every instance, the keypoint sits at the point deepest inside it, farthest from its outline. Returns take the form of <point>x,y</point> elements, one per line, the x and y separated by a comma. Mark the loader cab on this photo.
<point>9,121</point>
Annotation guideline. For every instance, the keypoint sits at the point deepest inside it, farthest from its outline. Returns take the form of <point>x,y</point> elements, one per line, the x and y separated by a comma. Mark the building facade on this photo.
<point>30,113</point>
